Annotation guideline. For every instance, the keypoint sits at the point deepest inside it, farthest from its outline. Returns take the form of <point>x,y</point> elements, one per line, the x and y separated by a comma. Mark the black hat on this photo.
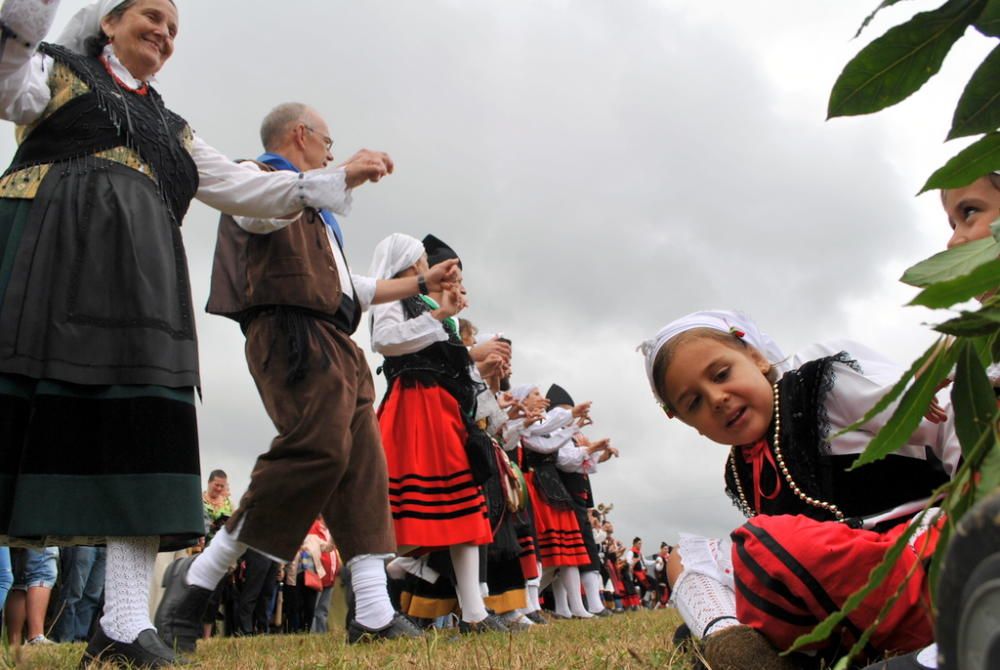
<point>557,395</point>
<point>438,251</point>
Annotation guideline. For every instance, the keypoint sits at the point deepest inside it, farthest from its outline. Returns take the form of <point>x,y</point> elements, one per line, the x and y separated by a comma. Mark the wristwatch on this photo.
<point>422,285</point>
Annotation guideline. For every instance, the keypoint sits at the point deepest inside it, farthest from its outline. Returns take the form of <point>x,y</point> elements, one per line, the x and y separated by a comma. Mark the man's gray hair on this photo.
<point>278,121</point>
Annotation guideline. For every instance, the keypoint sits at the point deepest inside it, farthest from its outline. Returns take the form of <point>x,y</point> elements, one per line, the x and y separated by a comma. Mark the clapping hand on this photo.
<point>367,165</point>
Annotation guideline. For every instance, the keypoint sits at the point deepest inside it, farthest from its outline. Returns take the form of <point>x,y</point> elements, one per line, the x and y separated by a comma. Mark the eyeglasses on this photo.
<point>328,141</point>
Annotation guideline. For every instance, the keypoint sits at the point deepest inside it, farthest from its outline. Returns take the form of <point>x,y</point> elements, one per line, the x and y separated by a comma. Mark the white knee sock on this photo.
<point>372,607</point>
<point>706,605</point>
<point>465,561</point>
<point>592,587</point>
<point>220,555</point>
<point>128,574</point>
<point>546,576</point>
<point>531,586</point>
<point>570,578</point>
<point>559,596</point>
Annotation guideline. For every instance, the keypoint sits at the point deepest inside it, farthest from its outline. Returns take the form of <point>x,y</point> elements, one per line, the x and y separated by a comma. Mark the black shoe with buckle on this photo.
<point>178,618</point>
<point>400,626</point>
<point>148,651</point>
<point>492,623</point>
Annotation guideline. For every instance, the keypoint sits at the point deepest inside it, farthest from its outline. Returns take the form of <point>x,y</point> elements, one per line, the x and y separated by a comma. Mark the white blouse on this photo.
<point>395,335</point>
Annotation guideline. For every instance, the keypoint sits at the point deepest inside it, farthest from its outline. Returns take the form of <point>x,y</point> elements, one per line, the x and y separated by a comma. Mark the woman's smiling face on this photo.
<point>143,37</point>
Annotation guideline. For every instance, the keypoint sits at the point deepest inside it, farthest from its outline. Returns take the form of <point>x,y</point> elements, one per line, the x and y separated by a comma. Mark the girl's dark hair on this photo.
<point>217,474</point>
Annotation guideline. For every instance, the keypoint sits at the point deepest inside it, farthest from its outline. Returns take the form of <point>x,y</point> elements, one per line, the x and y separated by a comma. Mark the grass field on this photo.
<point>634,640</point>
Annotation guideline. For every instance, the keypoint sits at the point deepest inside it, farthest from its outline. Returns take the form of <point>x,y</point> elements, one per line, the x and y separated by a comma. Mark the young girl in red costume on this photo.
<point>816,530</point>
<point>427,423</point>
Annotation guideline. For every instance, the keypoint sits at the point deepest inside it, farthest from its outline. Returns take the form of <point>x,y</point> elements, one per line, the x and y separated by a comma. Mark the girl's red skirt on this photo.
<point>560,541</point>
<point>434,501</point>
<point>792,571</point>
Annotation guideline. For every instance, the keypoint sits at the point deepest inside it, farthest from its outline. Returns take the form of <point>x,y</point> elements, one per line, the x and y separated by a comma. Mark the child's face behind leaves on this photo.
<point>971,210</point>
<point>720,391</point>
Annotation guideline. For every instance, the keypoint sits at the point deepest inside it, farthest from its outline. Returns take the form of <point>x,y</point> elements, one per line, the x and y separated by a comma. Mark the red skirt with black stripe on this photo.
<point>560,541</point>
<point>792,571</point>
<point>434,501</point>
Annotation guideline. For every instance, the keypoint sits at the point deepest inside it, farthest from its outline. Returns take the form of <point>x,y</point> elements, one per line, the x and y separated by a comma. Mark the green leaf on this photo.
<point>982,279</point>
<point>972,398</point>
<point>978,109</point>
<point>952,263</point>
<point>989,471</point>
<point>898,388</point>
<point>995,230</point>
<point>912,406</point>
<point>988,22</point>
<point>968,165</point>
<point>968,324</point>
<point>898,63</point>
<point>868,19</point>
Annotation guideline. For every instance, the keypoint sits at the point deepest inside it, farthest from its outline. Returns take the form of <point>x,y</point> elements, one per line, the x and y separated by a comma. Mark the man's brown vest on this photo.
<point>293,266</point>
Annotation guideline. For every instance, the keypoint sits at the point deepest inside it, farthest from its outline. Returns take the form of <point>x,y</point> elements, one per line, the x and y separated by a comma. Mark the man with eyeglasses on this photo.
<point>288,285</point>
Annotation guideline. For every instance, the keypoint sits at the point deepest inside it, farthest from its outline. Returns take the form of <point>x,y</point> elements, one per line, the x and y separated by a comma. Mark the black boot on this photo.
<point>148,651</point>
<point>178,618</point>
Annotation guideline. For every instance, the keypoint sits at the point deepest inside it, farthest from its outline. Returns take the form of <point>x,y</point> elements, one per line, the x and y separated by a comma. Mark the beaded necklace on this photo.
<point>745,505</point>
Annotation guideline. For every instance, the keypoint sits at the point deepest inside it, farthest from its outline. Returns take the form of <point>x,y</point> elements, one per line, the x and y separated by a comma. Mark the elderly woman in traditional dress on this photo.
<point>98,354</point>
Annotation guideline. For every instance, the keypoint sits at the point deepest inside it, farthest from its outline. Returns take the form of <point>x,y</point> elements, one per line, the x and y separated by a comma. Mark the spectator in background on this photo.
<point>218,506</point>
<point>35,572</point>
<point>82,571</point>
<point>330,561</point>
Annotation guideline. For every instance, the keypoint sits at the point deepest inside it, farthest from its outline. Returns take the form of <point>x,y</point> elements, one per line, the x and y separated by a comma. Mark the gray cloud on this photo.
<point>602,168</point>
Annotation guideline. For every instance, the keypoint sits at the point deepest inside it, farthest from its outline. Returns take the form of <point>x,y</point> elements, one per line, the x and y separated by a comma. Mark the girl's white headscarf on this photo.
<point>85,24</point>
<point>394,254</point>
<point>721,320</point>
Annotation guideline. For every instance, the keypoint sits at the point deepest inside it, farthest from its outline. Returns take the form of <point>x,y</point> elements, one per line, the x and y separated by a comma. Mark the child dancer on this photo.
<point>803,552</point>
<point>426,420</point>
<point>971,211</point>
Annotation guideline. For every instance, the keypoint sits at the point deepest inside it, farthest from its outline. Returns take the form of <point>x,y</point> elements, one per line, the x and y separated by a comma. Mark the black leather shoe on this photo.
<point>603,613</point>
<point>148,651</point>
<point>537,617</point>
<point>492,623</point>
<point>400,626</point>
<point>178,618</point>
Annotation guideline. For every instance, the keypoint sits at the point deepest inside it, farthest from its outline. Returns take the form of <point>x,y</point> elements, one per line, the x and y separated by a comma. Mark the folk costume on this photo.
<point>817,530</point>
<point>437,457</point>
<point>98,353</point>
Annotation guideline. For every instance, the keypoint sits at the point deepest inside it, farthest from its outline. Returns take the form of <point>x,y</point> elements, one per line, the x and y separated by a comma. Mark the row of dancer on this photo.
<point>472,531</point>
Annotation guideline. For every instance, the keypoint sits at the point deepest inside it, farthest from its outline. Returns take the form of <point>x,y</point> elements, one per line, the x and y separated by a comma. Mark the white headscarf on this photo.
<point>85,24</point>
<point>394,254</point>
<point>721,320</point>
<point>521,391</point>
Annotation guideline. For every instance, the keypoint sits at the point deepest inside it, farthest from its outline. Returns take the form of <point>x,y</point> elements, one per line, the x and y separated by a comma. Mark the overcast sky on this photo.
<point>602,167</point>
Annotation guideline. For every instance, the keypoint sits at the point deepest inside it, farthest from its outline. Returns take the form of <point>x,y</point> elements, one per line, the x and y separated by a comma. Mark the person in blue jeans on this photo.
<point>6,575</point>
<point>80,596</point>
<point>35,572</point>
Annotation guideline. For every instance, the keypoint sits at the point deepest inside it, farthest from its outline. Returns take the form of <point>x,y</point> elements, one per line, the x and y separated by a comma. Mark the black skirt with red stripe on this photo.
<point>432,495</point>
<point>560,541</point>
<point>791,572</point>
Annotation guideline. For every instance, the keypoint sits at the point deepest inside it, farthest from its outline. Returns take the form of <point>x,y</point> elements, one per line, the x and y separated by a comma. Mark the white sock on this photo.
<point>484,590</point>
<point>704,603</point>
<point>221,554</point>
<point>127,578</point>
<point>372,607</point>
<point>559,599</point>
<point>531,586</point>
<point>570,578</point>
<point>592,586</point>
<point>465,561</point>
